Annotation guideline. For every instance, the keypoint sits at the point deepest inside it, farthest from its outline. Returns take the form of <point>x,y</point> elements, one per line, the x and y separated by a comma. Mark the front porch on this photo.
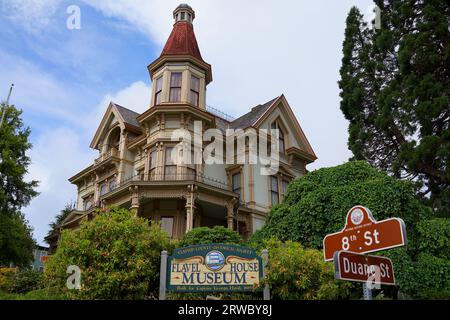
<point>180,207</point>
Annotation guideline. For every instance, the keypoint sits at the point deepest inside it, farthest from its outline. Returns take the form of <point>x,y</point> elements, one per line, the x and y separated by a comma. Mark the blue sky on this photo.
<point>64,79</point>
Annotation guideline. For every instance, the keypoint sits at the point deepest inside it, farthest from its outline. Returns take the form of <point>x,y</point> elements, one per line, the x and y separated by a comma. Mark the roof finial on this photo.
<point>184,12</point>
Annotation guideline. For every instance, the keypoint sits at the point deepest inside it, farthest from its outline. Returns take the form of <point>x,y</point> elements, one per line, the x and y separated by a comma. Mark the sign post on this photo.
<point>367,292</point>
<point>162,276</point>
<point>265,258</point>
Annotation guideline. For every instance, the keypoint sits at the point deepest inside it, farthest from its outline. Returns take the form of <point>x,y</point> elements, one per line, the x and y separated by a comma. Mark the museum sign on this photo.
<point>214,268</point>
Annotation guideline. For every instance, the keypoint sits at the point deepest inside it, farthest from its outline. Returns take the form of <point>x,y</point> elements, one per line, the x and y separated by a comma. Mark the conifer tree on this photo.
<point>16,243</point>
<point>395,93</point>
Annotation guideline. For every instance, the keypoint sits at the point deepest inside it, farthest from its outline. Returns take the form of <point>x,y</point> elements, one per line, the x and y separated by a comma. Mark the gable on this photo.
<point>282,112</point>
<point>114,116</point>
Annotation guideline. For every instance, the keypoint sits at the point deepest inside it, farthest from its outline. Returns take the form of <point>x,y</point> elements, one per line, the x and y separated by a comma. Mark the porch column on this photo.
<point>134,200</point>
<point>190,197</point>
<point>230,213</point>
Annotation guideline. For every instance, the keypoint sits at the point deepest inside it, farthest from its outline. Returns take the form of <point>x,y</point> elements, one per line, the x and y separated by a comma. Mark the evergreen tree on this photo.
<point>16,243</point>
<point>395,93</point>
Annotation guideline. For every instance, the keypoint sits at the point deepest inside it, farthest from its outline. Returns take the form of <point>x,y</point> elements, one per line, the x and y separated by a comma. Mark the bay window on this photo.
<point>195,89</point>
<point>158,90</point>
<point>175,87</point>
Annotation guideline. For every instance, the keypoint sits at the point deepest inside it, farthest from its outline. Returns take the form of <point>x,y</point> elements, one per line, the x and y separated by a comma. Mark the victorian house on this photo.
<point>134,169</point>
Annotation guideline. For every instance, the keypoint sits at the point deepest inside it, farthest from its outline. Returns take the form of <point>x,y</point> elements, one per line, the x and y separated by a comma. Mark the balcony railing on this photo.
<point>174,174</point>
<point>113,152</point>
<point>219,113</point>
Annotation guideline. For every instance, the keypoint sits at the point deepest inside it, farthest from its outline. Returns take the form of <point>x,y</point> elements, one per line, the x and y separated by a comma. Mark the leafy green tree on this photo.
<point>118,255</point>
<point>205,235</point>
<point>16,242</point>
<point>395,93</point>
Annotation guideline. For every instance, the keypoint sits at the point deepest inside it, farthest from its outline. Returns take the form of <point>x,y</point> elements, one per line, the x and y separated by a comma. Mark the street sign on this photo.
<point>363,234</point>
<point>363,268</point>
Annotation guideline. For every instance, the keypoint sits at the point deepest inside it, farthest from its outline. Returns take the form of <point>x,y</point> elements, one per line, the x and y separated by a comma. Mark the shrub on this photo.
<point>297,273</point>
<point>118,254</point>
<point>25,281</point>
<point>427,277</point>
<point>6,276</point>
<point>205,235</point>
<point>39,294</point>
<point>434,237</point>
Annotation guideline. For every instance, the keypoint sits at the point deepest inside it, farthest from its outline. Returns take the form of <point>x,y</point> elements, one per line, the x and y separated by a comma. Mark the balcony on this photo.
<point>112,153</point>
<point>171,174</point>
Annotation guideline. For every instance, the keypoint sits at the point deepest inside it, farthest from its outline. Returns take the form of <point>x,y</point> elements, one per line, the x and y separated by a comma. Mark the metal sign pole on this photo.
<point>163,275</point>
<point>6,105</point>
<point>265,259</point>
<point>367,292</point>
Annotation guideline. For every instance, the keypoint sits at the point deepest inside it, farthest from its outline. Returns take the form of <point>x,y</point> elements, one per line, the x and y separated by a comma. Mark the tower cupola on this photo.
<point>184,12</point>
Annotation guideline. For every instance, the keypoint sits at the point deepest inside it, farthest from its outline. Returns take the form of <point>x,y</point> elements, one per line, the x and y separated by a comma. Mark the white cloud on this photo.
<point>32,15</point>
<point>35,89</point>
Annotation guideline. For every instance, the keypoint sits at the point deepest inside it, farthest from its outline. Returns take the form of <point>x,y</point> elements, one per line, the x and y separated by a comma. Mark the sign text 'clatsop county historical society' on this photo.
<point>214,267</point>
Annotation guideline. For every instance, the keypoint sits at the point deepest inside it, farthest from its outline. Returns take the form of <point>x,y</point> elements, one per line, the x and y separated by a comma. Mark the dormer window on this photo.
<point>158,90</point>
<point>195,89</point>
<point>175,87</point>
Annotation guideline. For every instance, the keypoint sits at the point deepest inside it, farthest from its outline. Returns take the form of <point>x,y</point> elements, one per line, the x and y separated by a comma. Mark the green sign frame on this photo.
<point>214,268</point>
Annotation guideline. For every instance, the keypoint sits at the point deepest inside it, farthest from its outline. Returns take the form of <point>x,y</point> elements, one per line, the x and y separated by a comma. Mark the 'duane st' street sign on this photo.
<point>363,268</point>
<point>363,234</point>
<point>214,268</point>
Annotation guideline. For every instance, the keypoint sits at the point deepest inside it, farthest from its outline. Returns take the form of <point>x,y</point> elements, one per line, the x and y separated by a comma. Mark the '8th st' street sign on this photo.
<point>363,234</point>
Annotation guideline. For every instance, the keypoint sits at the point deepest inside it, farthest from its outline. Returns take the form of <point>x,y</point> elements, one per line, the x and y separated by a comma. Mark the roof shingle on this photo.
<point>251,117</point>
<point>129,116</point>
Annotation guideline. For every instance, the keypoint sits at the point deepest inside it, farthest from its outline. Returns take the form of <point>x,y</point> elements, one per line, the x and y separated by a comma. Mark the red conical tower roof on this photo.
<point>182,41</point>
